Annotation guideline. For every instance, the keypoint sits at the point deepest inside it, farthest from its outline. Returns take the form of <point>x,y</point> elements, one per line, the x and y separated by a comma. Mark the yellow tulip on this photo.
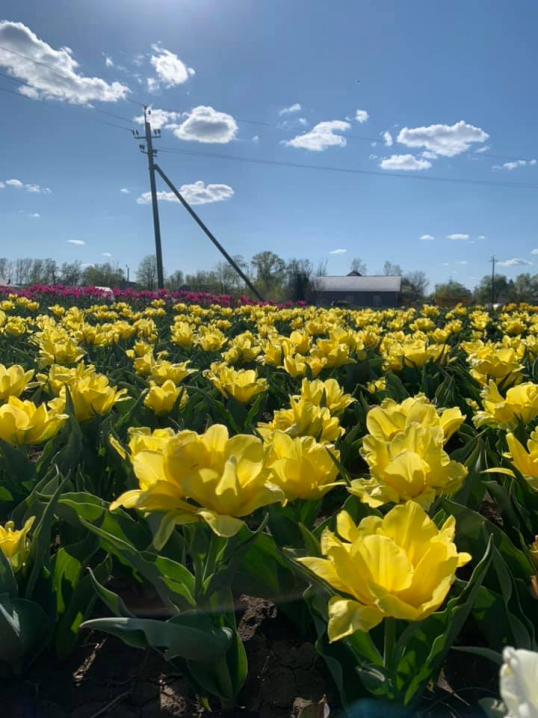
<point>303,419</point>
<point>14,543</point>
<point>525,461</point>
<point>298,365</point>
<point>60,375</point>
<point>502,364</point>
<point>13,380</point>
<point>92,396</point>
<point>327,393</point>
<point>520,404</point>
<point>411,466</point>
<point>332,351</point>
<point>161,399</point>
<point>400,566</point>
<point>22,422</point>
<point>301,466</point>
<point>163,371</point>
<point>226,478</point>
<point>376,385</point>
<point>241,384</point>
<point>57,347</point>
<point>386,420</point>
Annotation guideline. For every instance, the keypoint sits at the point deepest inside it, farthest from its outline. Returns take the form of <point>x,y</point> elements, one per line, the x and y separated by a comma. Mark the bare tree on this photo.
<point>357,265</point>
<point>392,270</point>
<point>414,286</point>
<point>146,274</point>
<point>71,273</point>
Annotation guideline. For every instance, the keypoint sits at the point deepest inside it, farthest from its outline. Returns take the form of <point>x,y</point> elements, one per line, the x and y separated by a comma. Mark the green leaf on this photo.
<point>188,636</point>
<point>111,599</point>
<point>39,557</point>
<point>25,629</point>
<point>78,609</point>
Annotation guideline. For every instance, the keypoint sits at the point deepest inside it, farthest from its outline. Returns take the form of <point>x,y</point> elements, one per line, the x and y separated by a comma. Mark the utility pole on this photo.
<point>492,260</point>
<point>128,271</point>
<point>151,153</point>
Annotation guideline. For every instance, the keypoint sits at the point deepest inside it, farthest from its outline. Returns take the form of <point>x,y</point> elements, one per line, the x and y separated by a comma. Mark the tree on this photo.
<point>103,275</point>
<point>357,265</point>
<point>451,291</point>
<point>299,274</point>
<point>146,274</point>
<point>392,270</point>
<point>5,270</point>
<point>71,273</point>
<point>321,269</point>
<point>414,286</point>
<point>502,289</point>
<point>525,289</point>
<point>50,271</point>
<point>176,280</point>
<point>270,269</point>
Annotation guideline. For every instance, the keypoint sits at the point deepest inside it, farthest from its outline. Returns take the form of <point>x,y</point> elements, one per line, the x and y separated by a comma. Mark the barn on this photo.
<point>359,291</point>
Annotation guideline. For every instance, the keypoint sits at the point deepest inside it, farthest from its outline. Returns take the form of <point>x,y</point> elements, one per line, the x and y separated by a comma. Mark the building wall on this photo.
<point>359,299</point>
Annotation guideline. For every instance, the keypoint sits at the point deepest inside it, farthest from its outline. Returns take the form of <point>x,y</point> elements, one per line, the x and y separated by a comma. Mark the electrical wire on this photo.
<point>347,170</point>
<point>93,119</point>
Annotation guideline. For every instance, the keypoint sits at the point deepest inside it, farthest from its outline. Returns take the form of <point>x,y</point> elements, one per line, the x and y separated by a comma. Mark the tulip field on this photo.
<point>367,479</point>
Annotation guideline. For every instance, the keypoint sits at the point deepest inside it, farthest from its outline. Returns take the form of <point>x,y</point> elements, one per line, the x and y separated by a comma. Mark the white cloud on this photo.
<point>2,185</point>
<point>445,264</point>
<point>513,165</point>
<point>361,116</point>
<point>427,237</point>
<point>256,138</point>
<point>171,71</point>
<point>458,236</point>
<point>109,62</point>
<point>34,188</point>
<point>321,136</point>
<point>35,215</point>
<point>338,251</point>
<point>445,140</point>
<point>481,150</point>
<point>463,261</point>
<point>428,155</point>
<point>534,251</point>
<point>482,236</point>
<point>50,74</point>
<point>106,254</point>
<point>387,138</point>
<point>124,190</point>
<point>292,108</point>
<point>405,163</point>
<point>76,241</point>
<point>204,124</point>
<point>515,262</point>
<point>373,157</point>
<point>196,193</point>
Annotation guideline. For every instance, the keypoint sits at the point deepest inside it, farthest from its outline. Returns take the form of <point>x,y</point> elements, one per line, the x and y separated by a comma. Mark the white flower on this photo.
<point>519,683</point>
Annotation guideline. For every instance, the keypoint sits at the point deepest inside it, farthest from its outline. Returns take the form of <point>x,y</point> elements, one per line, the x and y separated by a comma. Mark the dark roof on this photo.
<point>359,284</point>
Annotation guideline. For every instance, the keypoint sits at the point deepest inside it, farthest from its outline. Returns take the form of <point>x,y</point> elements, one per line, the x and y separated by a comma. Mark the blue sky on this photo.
<point>453,84</point>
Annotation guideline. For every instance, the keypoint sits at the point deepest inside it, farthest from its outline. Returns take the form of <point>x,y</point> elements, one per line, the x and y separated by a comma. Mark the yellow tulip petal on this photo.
<point>346,617</point>
<point>226,526</point>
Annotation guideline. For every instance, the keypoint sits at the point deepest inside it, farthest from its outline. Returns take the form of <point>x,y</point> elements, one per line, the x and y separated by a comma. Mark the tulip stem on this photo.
<point>389,643</point>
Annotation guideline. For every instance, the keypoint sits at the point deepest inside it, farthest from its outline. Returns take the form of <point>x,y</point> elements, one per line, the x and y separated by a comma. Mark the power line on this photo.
<point>347,170</point>
<point>93,119</point>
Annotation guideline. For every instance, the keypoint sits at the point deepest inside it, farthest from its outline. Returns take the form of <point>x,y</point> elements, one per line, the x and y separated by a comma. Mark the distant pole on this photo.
<point>128,271</point>
<point>492,260</point>
<point>151,153</point>
<point>211,236</point>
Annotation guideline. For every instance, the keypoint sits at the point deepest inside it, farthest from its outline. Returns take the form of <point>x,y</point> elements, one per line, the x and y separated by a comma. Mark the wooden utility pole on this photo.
<point>149,136</point>
<point>492,260</point>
